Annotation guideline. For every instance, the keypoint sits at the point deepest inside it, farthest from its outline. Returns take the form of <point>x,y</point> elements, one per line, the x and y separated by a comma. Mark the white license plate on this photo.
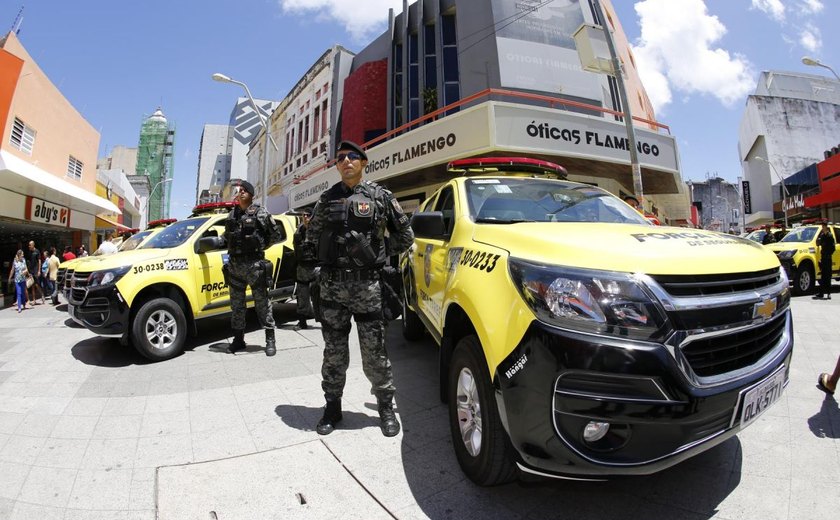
<point>762,397</point>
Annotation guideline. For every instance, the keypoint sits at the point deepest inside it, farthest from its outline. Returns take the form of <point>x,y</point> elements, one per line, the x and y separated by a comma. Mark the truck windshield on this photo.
<point>804,234</point>
<point>175,235</point>
<point>510,200</point>
<point>134,241</point>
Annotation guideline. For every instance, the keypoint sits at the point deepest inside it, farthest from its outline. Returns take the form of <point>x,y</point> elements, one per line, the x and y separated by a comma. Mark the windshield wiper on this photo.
<point>502,220</point>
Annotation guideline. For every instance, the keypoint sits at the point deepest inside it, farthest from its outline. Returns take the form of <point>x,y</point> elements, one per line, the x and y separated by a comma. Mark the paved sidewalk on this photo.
<point>90,430</point>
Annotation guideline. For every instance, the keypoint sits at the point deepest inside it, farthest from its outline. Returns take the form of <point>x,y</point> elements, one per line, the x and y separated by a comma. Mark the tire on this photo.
<point>159,329</point>
<point>803,279</point>
<point>481,444</point>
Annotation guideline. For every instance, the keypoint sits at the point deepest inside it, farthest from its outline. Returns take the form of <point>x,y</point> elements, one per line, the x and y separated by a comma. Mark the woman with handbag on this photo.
<point>21,275</point>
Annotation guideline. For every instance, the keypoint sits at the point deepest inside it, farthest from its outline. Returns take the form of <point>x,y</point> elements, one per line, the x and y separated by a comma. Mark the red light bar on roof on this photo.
<point>511,164</point>
<point>211,206</point>
<point>161,222</point>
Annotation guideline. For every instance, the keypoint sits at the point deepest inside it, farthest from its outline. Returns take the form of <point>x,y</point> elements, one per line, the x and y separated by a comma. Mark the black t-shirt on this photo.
<point>33,261</point>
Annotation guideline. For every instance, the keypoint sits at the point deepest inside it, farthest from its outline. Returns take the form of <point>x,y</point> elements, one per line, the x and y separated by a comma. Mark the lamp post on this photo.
<point>635,168</point>
<point>221,78</point>
<point>807,60</point>
<point>146,207</point>
<point>785,193</point>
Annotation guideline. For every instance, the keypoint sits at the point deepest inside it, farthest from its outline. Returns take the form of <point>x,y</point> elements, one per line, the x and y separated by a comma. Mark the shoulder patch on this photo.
<point>396,204</point>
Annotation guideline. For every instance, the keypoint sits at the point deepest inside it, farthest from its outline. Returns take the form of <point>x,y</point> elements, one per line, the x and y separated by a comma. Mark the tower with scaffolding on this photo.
<point>155,160</point>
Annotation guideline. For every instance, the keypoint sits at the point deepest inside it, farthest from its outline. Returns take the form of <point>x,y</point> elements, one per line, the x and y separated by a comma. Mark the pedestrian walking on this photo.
<point>53,262</point>
<point>828,382</point>
<point>304,275</point>
<point>18,273</point>
<point>249,230</point>
<point>44,280</point>
<point>68,254</point>
<point>33,265</point>
<point>825,245</point>
<point>347,237</point>
<point>107,247</point>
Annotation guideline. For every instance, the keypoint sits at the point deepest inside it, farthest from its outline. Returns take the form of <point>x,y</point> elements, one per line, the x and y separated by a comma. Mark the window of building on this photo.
<point>23,137</point>
<point>324,128</point>
<point>397,87</point>
<point>316,124</point>
<point>413,78</point>
<point>74,168</point>
<point>430,57</point>
<point>451,85</point>
<point>306,131</point>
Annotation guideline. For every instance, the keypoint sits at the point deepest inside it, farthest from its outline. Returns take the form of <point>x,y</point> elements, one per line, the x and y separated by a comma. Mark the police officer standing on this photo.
<point>304,274</point>
<point>825,244</point>
<point>249,229</point>
<point>347,236</point>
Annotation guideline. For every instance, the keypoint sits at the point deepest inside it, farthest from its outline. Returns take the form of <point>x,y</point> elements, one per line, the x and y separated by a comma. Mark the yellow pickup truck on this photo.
<point>576,339</point>
<point>153,296</point>
<point>798,254</point>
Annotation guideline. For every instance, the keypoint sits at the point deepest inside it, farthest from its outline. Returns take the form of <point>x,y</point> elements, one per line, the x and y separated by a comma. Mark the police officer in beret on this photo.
<point>346,236</point>
<point>249,230</point>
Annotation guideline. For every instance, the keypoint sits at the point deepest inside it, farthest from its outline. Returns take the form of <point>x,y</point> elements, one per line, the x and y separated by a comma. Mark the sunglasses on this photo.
<point>353,156</point>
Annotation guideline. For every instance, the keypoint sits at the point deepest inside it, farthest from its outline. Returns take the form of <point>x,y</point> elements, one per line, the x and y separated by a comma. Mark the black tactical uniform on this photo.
<point>825,241</point>
<point>247,233</point>
<point>347,236</point>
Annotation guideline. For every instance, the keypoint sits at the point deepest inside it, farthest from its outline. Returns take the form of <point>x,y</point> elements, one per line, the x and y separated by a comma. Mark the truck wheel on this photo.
<point>159,329</point>
<point>412,327</point>
<point>803,280</point>
<point>481,443</point>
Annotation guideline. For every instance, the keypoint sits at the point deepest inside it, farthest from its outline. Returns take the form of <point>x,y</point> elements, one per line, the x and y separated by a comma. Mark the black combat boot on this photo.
<point>270,346</point>
<point>302,324</point>
<point>389,424</point>
<point>238,342</point>
<point>332,416</point>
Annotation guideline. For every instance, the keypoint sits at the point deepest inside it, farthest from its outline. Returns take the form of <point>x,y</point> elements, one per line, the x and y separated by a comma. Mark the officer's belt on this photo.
<point>247,258</point>
<point>349,275</point>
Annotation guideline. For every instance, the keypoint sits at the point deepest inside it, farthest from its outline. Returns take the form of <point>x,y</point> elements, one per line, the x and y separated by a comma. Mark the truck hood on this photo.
<point>787,246</point>
<point>97,263</point>
<point>628,247</point>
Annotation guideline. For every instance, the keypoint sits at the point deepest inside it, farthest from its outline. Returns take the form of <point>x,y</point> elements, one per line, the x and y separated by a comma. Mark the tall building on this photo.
<point>453,79</point>
<point>245,125</point>
<point>120,158</point>
<point>214,155</point>
<point>155,160</point>
<point>788,124</point>
<point>47,160</point>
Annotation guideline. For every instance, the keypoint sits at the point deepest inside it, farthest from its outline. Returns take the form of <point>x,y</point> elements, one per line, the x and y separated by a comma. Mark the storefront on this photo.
<point>826,202</point>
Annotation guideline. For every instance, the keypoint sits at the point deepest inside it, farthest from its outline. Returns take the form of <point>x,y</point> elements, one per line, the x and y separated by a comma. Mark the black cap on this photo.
<point>350,145</point>
<point>245,185</point>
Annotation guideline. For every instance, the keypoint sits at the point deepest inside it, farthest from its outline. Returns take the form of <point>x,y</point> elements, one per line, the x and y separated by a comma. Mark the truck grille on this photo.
<point>729,352</point>
<point>75,284</point>
<point>716,284</point>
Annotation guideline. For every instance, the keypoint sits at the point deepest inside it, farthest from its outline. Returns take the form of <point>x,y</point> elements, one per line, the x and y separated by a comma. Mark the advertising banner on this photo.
<point>745,190</point>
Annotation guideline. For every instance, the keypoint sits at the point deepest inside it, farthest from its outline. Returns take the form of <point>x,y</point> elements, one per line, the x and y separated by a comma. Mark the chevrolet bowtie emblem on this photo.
<point>764,309</point>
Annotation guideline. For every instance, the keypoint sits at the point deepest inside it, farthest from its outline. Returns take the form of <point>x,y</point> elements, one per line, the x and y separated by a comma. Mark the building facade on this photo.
<point>788,124</point>
<point>155,156</point>
<point>452,79</point>
<point>716,205</point>
<point>214,157</point>
<point>47,160</point>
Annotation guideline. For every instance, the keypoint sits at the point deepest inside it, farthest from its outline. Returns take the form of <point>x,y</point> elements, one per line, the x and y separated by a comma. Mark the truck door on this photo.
<point>431,271</point>
<point>213,293</point>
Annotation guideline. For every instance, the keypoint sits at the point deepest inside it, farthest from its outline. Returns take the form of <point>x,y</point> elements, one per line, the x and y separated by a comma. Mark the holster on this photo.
<point>315,297</point>
<point>230,279</point>
<point>268,272</point>
<point>390,284</point>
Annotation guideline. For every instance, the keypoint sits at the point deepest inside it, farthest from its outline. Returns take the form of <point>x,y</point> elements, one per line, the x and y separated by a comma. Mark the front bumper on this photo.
<point>660,411</point>
<point>102,310</point>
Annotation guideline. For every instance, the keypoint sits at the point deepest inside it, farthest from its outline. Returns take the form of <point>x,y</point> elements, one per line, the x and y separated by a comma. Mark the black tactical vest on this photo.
<point>351,237</point>
<point>246,236</point>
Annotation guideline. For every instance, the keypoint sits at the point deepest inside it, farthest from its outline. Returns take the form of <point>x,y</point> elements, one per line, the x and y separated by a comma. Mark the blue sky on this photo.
<point>117,61</point>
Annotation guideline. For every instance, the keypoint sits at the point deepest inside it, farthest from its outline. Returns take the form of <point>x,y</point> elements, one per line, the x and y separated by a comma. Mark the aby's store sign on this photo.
<point>43,212</point>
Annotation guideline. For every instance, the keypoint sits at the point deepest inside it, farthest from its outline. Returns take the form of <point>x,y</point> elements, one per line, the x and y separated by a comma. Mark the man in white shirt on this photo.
<point>107,247</point>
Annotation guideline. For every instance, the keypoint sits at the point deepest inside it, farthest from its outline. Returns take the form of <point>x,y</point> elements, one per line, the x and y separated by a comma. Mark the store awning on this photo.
<point>27,179</point>
<point>104,223</point>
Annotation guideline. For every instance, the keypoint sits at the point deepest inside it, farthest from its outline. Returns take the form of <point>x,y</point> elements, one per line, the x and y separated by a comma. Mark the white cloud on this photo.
<point>810,38</point>
<point>812,6</point>
<point>774,8</point>
<point>676,51</point>
<point>362,19</point>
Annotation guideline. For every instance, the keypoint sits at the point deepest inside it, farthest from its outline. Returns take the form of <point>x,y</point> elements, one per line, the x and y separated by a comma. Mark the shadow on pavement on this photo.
<point>825,424</point>
<point>693,489</point>
<point>106,352</point>
<point>305,418</point>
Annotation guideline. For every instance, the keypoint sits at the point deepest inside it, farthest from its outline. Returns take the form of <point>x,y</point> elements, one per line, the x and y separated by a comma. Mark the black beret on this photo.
<point>350,145</point>
<point>245,185</point>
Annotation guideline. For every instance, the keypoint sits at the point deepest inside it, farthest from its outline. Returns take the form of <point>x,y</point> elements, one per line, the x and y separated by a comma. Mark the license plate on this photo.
<point>762,397</point>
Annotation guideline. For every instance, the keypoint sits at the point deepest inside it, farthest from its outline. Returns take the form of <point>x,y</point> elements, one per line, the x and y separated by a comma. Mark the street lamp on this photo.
<point>807,60</point>
<point>146,206</point>
<point>221,78</point>
<point>785,193</point>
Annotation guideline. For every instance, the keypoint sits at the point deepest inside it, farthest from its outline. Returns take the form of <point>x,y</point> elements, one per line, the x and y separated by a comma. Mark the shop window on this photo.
<point>74,168</point>
<point>23,137</point>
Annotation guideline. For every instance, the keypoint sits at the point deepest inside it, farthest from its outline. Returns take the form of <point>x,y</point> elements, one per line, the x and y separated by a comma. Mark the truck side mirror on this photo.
<point>429,224</point>
<point>208,244</point>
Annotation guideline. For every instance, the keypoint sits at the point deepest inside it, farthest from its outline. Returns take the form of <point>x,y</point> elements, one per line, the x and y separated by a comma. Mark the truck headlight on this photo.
<point>787,255</point>
<point>107,276</point>
<point>600,302</point>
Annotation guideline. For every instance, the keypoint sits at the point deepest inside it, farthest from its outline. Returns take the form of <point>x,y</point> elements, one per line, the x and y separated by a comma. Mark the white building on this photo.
<point>790,121</point>
<point>214,155</point>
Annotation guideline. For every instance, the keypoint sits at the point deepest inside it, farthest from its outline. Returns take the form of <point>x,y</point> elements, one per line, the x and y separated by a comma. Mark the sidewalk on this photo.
<point>90,430</point>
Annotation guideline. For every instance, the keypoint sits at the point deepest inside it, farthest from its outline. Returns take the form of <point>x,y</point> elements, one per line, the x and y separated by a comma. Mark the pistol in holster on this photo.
<point>359,249</point>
